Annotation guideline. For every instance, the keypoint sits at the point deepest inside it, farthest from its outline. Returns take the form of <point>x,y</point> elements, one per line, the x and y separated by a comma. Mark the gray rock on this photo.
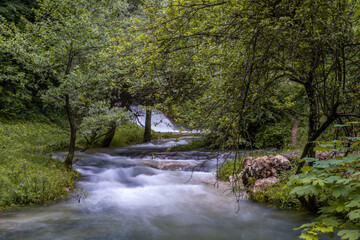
<point>263,167</point>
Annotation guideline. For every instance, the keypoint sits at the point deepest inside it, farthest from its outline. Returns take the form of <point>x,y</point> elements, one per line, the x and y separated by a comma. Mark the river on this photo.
<point>128,198</point>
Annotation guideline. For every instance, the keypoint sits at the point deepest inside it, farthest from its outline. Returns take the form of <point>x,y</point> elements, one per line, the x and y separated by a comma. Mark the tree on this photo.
<point>67,45</point>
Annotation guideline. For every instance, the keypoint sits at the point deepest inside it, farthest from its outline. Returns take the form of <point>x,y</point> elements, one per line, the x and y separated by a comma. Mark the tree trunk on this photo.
<point>147,133</point>
<point>294,131</point>
<point>313,124</point>
<point>69,158</point>
<point>109,135</point>
<point>309,203</point>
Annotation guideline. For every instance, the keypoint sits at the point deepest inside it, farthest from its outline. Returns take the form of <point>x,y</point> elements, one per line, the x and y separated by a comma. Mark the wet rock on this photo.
<point>263,167</point>
<point>168,165</point>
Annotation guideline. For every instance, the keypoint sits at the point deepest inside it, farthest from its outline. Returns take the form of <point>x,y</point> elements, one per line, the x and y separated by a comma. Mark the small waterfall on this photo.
<point>159,122</point>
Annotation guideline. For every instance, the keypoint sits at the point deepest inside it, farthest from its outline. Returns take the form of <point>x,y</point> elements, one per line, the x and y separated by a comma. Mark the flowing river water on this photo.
<point>139,192</point>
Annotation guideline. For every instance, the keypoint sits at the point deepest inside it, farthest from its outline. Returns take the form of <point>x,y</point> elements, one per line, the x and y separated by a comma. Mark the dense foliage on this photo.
<point>335,185</point>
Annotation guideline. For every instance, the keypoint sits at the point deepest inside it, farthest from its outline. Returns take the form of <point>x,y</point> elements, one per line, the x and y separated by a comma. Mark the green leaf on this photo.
<point>309,236</point>
<point>341,125</point>
<point>349,234</point>
<point>341,191</point>
<point>354,214</point>
<point>355,202</point>
<point>332,179</point>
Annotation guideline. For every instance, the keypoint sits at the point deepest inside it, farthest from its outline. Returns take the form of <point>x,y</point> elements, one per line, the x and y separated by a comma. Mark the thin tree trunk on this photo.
<point>147,133</point>
<point>109,135</point>
<point>69,158</point>
<point>294,131</point>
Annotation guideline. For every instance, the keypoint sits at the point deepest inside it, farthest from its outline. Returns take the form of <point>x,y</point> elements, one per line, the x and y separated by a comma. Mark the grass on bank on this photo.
<point>26,176</point>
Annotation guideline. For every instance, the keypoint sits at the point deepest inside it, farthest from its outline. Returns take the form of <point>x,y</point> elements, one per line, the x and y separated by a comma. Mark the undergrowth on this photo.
<point>127,134</point>
<point>26,176</point>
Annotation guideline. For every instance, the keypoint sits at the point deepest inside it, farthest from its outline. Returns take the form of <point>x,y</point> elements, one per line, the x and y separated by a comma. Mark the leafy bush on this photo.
<point>335,184</point>
<point>33,179</point>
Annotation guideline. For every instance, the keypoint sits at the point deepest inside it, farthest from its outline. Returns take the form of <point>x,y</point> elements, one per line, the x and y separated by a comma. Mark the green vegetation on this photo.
<point>193,144</point>
<point>27,176</point>
<point>130,133</point>
<point>229,168</point>
<point>127,134</point>
<point>333,187</point>
<point>277,196</point>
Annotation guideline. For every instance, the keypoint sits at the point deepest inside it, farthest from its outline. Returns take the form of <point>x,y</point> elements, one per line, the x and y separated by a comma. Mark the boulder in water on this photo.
<point>263,167</point>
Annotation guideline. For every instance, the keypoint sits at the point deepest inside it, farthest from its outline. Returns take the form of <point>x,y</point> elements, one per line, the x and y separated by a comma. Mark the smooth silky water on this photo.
<point>129,200</point>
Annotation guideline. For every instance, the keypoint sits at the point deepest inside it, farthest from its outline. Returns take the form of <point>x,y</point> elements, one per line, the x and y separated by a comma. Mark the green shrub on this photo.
<point>335,184</point>
<point>274,135</point>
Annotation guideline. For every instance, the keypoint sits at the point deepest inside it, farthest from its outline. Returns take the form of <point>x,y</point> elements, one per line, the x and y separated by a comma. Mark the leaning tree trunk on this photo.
<point>109,135</point>
<point>147,133</point>
<point>312,123</point>
<point>69,158</point>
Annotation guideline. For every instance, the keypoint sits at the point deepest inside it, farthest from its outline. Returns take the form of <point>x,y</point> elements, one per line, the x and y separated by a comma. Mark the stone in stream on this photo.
<point>262,170</point>
<point>169,165</point>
